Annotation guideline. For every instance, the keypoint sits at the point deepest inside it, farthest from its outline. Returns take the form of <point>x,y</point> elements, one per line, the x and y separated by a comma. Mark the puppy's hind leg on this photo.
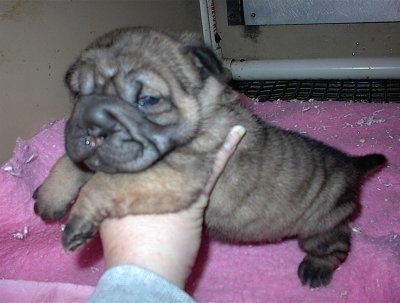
<point>59,189</point>
<point>325,252</point>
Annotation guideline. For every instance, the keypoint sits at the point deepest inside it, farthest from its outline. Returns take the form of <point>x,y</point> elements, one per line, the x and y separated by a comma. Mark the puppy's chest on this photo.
<point>195,166</point>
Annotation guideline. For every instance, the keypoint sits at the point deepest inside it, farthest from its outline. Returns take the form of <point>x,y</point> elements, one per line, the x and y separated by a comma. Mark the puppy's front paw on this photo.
<point>77,232</point>
<point>59,189</point>
<point>48,207</point>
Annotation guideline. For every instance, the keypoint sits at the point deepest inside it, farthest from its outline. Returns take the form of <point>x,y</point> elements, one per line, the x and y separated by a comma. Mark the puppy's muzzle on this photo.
<point>111,135</point>
<point>99,122</point>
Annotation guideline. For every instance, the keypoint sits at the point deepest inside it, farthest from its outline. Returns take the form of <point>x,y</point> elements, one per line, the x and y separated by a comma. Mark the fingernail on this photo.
<point>239,129</point>
<point>235,136</point>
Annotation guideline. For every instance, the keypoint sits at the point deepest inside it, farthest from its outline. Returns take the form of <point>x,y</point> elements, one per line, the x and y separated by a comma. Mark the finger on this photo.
<point>226,151</point>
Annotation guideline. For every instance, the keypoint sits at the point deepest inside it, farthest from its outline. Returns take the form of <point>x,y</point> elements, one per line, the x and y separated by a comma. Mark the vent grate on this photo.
<point>378,91</point>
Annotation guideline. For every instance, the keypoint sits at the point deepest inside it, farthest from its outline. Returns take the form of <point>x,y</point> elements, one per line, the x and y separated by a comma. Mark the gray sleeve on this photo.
<point>129,283</point>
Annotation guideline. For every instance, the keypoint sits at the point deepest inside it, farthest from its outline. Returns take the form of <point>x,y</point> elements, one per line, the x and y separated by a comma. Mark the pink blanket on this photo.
<point>34,267</point>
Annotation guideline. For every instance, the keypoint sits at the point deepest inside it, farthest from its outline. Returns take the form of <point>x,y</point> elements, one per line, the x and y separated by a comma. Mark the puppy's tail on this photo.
<point>369,163</point>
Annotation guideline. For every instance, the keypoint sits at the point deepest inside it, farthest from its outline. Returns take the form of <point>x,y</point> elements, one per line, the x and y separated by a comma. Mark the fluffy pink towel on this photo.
<point>31,250</point>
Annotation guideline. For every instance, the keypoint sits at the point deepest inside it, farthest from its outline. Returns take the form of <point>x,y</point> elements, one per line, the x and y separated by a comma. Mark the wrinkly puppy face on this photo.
<point>136,98</point>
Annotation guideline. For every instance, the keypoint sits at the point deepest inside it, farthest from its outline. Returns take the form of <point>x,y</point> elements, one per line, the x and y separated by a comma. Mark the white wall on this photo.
<point>39,39</point>
<point>307,41</point>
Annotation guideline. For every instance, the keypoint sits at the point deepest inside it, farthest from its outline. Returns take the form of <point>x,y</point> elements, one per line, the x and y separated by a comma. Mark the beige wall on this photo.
<point>39,39</point>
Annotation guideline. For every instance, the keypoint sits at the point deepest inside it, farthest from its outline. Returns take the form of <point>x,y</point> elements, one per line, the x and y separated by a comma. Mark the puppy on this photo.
<point>151,110</point>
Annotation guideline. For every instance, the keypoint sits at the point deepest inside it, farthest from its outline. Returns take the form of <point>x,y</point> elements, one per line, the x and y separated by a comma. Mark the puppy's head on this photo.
<point>137,95</point>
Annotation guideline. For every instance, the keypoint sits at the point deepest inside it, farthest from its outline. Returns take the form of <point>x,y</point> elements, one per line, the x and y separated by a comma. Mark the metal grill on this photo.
<point>379,91</point>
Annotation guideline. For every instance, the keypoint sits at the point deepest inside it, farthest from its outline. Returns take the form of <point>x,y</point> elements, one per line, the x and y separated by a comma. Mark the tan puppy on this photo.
<point>151,111</point>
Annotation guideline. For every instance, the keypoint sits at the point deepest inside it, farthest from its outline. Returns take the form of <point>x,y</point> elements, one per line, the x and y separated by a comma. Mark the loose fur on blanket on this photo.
<point>31,250</point>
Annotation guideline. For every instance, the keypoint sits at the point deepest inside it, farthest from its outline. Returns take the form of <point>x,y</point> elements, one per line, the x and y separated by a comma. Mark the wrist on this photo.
<point>165,244</point>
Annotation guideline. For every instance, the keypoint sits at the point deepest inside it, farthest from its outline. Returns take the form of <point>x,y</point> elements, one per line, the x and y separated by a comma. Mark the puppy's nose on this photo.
<point>98,121</point>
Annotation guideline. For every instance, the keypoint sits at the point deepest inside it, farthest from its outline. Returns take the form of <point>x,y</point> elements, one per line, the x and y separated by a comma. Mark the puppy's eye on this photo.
<point>147,101</point>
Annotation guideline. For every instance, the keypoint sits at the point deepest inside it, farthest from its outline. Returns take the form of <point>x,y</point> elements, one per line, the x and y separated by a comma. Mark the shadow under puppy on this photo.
<point>151,110</point>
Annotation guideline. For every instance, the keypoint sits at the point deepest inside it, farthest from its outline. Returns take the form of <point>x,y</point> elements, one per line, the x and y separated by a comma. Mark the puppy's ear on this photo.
<point>70,80</point>
<point>205,59</point>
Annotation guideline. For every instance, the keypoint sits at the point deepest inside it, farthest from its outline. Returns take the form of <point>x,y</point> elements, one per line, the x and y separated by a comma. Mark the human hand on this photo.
<point>168,243</point>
